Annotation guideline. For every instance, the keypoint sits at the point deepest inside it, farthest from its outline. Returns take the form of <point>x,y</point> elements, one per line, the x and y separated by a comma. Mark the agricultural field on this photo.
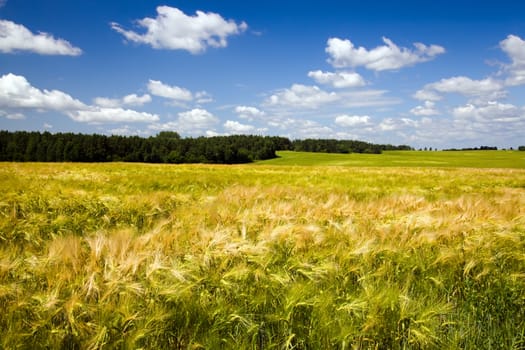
<point>455,159</point>
<point>263,256</point>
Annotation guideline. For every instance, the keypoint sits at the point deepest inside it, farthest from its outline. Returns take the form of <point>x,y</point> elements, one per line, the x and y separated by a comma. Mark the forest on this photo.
<point>165,147</point>
<point>344,146</point>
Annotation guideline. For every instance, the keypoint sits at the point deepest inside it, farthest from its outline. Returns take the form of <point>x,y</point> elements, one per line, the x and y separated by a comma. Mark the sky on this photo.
<point>438,74</point>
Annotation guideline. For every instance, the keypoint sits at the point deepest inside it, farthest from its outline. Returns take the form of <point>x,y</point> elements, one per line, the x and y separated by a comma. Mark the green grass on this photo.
<point>131,256</point>
<point>468,159</point>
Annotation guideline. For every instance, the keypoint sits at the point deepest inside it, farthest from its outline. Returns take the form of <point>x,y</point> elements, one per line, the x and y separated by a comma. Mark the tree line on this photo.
<point>165,147</point>
<point>343,146</point>
<point>480,148</point>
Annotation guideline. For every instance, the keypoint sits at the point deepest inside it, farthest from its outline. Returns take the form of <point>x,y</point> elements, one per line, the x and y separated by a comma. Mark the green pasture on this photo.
<point>467,159</point>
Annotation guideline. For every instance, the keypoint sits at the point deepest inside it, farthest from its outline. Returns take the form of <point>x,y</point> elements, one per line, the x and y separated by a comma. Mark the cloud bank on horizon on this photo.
<point>352,94</point>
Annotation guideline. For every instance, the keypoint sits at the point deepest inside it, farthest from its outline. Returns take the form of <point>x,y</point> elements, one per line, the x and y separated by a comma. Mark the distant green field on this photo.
<point>456,159</point>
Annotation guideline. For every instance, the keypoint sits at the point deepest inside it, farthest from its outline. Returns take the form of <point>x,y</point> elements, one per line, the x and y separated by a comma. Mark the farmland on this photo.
<point>455,159</point>
<point>364,254</point>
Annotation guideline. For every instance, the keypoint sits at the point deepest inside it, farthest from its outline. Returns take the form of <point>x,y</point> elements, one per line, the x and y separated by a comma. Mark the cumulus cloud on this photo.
<point>15,38</point>
<point>490,112</point>
<point>490,121</point>
<point>488,88</point>
<point>388,124</point>
<point>414,123</point>
<point>198,118</point>
<point>337,80</point>
<point>195,122</point>
<point>98,115</point>
<point>248,112</point>
<point>352,120</point>
<point>514,47</point>
<point>234,127</point>
<point>174,93</point>
<point>428,109</point>
<point>172,29</point>
<point>308,99</point>
<point>428,94</point>
<point>17,93</point>
<point>302,96</point>
<point>128,100</point>
<point>135,100</point>
<point>343,53</point>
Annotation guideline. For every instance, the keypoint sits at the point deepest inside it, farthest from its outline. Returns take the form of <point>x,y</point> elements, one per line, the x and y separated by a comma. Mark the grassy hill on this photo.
<point>466,159</point>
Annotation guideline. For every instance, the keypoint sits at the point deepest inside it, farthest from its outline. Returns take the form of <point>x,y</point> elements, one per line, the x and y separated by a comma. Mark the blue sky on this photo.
<point>428,74</point>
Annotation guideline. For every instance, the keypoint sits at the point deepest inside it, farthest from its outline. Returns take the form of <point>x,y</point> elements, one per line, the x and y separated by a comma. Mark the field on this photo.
<point>463,159</point>
<point>264,256</point>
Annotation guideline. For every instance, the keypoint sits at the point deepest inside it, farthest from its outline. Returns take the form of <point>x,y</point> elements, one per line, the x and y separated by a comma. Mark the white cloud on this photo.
<point>388,124</point>
<point>352,120</point>
<point>343,53</point>
<point>514,47</point>
<point>17,92</point>
<point>123,130</point>
<point>394,124</point>
<point>212,133</point>
<point>97,115</point>
<point>168,126</point>
<point>307,101</point>
<point>194,122</point>
<point>337,80</point>
<point>492,112</point>
<point>300,128</point>
<point>234,127</point>
<point>174,30</point>
<point>309,129</point>
<point>428,109</point>
<point>203,97</point>
<point>15,37</point>
<point>488,123</point>
<point>427,94</point>
<point>414,123</point>
<point>198,118</point>
<point>12,116</point>
<point>248,112</point>
<point>178,95</point>
<point>135,100</point>
<point>302,96</point>
<point>128,100</point>
<point>175,93</point>
<point>487,89</point>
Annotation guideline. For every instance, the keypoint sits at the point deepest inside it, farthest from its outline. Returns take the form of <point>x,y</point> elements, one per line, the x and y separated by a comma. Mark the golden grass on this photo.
<point>146,256</point>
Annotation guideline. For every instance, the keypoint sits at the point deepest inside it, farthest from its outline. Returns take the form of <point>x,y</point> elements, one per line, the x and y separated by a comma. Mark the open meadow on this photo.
<point>264,256</point>
<point>454,159</point>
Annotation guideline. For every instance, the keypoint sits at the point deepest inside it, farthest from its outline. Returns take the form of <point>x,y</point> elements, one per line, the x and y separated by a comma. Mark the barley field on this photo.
<point>141,256</point>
